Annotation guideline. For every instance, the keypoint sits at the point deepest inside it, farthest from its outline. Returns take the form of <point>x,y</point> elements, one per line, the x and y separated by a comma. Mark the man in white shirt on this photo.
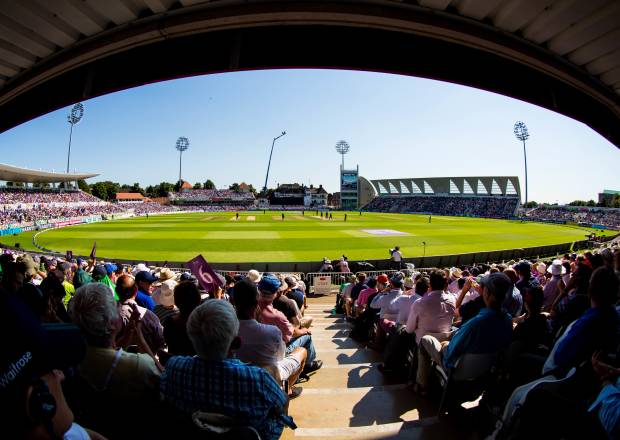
<point>262,344</point>
<point>397,257</point>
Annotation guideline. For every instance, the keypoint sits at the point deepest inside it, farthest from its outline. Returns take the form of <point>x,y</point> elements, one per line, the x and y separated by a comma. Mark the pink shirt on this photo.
<point>271,316</point>
<point>362,299</point>
<point>431,314</point>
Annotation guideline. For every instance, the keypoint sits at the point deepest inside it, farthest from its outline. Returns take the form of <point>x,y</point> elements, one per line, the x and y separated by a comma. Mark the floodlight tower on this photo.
<point>182,145</point>
<point>75,115</point>
<point>522,134</point>
<point>269,164</point>
<point>342,147</point>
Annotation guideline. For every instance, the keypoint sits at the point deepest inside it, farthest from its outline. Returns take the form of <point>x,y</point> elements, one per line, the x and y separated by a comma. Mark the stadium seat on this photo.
<point>466,380</point>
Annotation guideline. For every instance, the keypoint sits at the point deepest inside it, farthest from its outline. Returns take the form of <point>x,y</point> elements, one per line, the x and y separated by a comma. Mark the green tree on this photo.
<point>209,184</point>
<point>164,188</point>
<point>530,204</point>
<point>252,189</point>
<point>100,191</point>
<point>83,186</point>
<point>591,203</point>
<point>235,187</point>
<point>197,185</point>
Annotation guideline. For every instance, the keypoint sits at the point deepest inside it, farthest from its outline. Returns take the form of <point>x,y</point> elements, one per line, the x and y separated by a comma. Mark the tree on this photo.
<point>197,185</point>
<point>164,189</point>
<point>209,184</point>
<point>531,204</point>
<point>591,203</point>
<point>235,187</point>
<point>252,189</point>
<point>83,186</point>
<point>578,203</point>
<point>100,191</point>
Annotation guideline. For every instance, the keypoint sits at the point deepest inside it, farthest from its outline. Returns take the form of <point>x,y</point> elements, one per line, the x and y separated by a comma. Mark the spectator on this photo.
<point>129,380</point>
<point>552,288</point>
<point>245,393</point>
<point>186,298</point>
<point>166,308</point>
<point>362,299</point>
<point>292,336</point>
<point>595,330</point>
<point>488,332</point>
<point>144,281</point>
<point>262,344</point>
<point>153,332</point>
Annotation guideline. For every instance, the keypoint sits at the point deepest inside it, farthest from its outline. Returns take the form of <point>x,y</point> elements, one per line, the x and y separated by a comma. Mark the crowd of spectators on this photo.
<point>106,341</point>
<point>211,196</point>
<point>609,217</point>
<point>471,206</point>
<point>20,196</point>
<point>519,325</point>
<point>43,214</point>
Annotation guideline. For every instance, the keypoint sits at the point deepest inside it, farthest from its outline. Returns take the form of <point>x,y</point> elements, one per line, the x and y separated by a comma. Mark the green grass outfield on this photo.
<point>219,238</point>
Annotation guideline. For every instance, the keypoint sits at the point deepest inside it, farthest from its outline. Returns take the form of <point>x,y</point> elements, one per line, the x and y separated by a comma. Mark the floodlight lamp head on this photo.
<point>520,131</point>
<point>182,143</point>
<point>342,147</point>
<point>76,114</point>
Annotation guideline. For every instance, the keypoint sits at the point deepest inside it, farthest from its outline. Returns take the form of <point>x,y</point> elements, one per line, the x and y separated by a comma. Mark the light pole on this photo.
<point>75,115</point>
<point>182,145</point>
<point>269,164</point>
<point>342,147</point>
<point>522,134</point>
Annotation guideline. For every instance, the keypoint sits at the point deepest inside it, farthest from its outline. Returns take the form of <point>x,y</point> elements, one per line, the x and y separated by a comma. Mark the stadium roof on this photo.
<point>610,191</point>
<point>454,186</point>
<point>563,55</point>
<point>14,174</point>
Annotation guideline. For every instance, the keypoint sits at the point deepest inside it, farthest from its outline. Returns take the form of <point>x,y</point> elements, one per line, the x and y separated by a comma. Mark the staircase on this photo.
<point>350,398</point>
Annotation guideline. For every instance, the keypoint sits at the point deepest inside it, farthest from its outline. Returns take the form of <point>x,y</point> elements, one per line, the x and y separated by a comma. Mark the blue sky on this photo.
<point>397,126</point>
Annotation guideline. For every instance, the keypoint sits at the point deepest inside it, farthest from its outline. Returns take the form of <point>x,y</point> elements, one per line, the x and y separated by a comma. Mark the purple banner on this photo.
<point>205,275</point>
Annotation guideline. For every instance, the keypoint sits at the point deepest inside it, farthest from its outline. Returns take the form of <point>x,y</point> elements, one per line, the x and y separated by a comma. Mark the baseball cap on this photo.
<point>99,271</point>
<point>109,268</point>
<point>382,278</point>
<point>523,266</point>
<point>269,284</point>
<point>397,279</point>
<point>147,276</point>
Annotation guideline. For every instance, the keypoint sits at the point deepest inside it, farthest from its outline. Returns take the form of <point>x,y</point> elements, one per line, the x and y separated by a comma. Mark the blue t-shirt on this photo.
<point>489,331</point>
<point>145,300</point>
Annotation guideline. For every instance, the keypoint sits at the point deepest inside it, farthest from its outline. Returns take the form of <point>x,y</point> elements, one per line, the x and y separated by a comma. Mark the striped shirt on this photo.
<point>229,387</point>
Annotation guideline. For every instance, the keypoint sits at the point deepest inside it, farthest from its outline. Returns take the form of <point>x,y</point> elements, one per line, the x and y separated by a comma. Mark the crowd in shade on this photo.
<point>538,340</point>
<point>474,206</point>
<point>609,217</point>
<point>17,196</point>
<point>113,346</point>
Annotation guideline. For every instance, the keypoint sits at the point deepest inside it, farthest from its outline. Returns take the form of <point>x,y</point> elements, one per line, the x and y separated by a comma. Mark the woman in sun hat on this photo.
<point>552,288</point>
<point>254,276</point>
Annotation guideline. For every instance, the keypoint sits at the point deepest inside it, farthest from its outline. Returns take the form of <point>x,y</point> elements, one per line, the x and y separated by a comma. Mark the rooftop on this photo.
<point>12,173</point>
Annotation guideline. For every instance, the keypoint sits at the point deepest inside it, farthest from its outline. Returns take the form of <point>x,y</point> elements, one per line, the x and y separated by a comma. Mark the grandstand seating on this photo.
<point>609,217</point>
<point>474,206</point>
<point>211,196</point>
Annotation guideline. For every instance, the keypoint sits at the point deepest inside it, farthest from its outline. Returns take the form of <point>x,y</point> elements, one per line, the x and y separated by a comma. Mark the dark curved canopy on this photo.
<point>563,55</point>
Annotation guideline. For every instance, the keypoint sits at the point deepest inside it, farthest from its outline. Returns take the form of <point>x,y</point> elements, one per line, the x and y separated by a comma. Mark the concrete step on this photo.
<point>348,356</point>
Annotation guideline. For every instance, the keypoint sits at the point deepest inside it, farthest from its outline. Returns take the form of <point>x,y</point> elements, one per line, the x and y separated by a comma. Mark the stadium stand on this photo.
<point>212,197</point>
<point>475,206</point>
<point>475,330</point>
<point>607,217</point>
